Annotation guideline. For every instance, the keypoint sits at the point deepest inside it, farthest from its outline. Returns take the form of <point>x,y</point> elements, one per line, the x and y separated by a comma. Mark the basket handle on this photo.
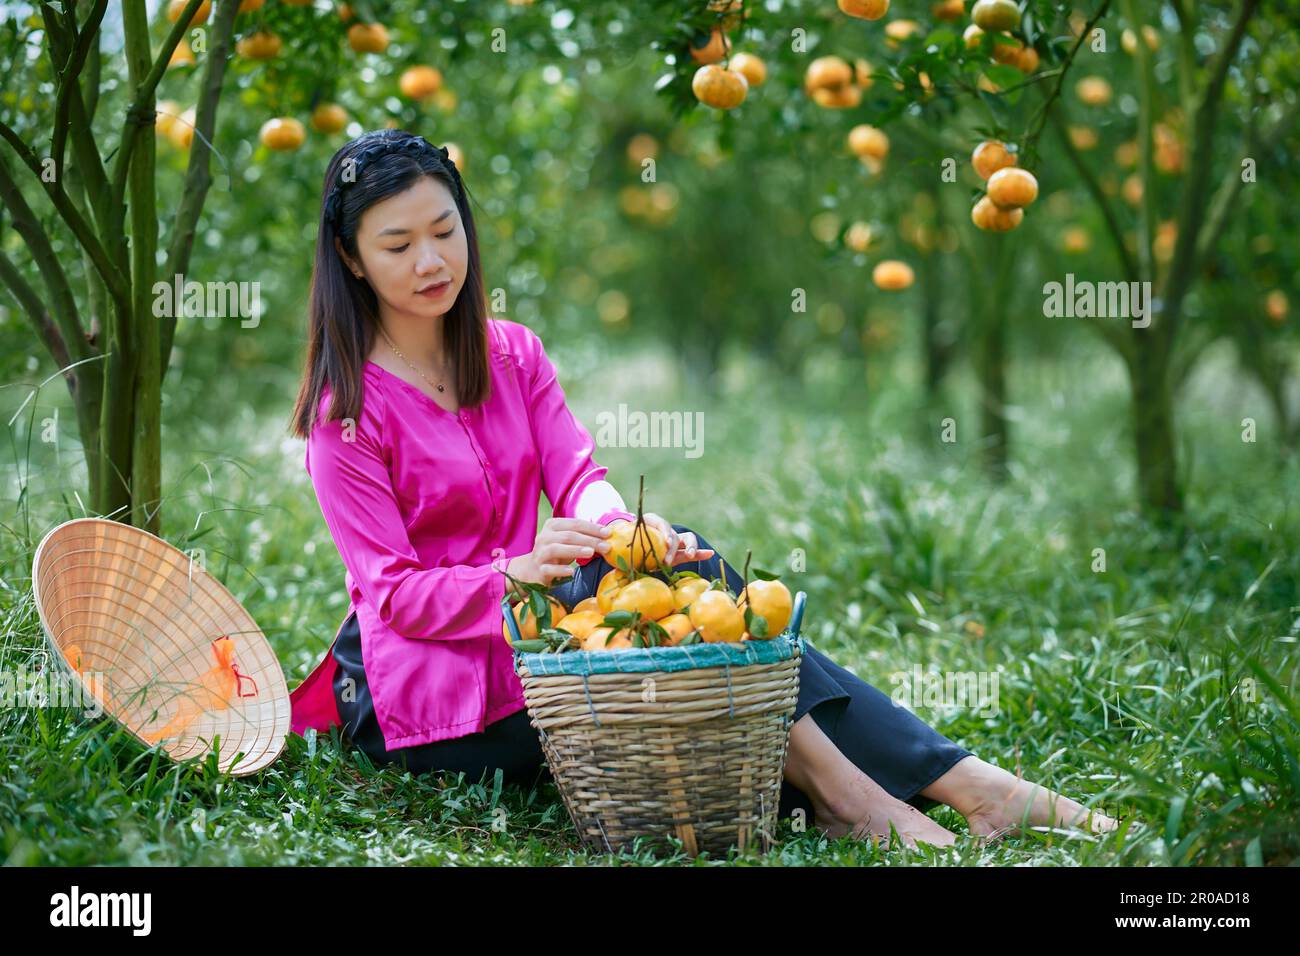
<point>796,616</point>
<point>511,623</point>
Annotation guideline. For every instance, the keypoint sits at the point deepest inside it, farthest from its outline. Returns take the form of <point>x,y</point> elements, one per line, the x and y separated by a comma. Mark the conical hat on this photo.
<point>165,647</point>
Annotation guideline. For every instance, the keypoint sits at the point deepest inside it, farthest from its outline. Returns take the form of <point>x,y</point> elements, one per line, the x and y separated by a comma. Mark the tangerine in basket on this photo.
<point>527,620</point>
<point>677,625</point>
<point>715,615</point>
<point>613,582</point>
<point>581,623</point>
<point>772,600</point>
<point>642,547</point>
<point>650,596</point>
<point>687,590</point>
<point>600,639</point>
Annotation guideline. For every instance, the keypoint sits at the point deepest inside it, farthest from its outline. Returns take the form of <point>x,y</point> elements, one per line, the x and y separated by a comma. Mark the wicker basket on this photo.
<point>683,741</point>
<point>136,620</point>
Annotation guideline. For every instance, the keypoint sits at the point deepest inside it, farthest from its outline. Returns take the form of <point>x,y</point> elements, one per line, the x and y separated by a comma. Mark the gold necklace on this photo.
<point>408,362</point>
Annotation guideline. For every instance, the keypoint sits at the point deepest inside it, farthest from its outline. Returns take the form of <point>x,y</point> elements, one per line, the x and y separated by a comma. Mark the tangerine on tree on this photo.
<point>753,69</point>
<point>1277,306</point>
<point>867,140</point>
<point>166,113</point>
<point>262,45</point>
<point>1093,91</point>
<point>182,55</point>
<point>283,133</point>
<point>896,31</point>
<point>181,130</point>
<point>892,275</point>
<point>734,11</point>
<point>991,218</point>
<point>1012,187</point>
<point>862,73</point>
<point>713,50</point>
<point>420,82</point>
<point>995,15</point>
<point>716,86</point>
<point>858,236</point>
<point>176,7</point>
<point>990,156</point>
<point>948,9</point>
<point>368,37</point>
<point>863,9</point>
<point>827,73</point>
<point>1075,240</point>
<point>328,118</point>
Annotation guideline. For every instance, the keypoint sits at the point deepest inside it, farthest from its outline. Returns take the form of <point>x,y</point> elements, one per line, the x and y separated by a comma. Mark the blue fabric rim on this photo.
<point>686,657</point>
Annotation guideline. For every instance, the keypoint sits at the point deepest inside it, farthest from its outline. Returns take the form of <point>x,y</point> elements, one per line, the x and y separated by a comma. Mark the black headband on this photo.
<point>414,145</point>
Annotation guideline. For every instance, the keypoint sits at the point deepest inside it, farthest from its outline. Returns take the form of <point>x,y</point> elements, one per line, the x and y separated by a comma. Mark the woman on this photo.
<point>430,489</point>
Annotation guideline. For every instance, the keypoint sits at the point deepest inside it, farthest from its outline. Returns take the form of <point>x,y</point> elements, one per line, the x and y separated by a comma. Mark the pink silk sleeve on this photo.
<point>565,446</point>
<point>357,500</point>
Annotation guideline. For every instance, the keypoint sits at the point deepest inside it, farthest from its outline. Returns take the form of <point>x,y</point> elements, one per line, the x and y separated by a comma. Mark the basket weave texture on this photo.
<point>141,625</point>
<point>686,741</point>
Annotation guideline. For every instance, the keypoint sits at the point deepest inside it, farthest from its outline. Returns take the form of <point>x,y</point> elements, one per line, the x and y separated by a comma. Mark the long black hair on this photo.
<point>343,311</point>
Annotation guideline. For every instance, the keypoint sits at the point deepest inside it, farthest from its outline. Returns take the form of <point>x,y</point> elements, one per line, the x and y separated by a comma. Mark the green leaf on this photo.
<point>763,575</point>
<point>759,626</point>
<point>532,646</point>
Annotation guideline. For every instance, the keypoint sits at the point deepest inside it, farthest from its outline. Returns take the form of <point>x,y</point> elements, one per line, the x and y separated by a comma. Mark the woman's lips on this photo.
<point>435,291</point>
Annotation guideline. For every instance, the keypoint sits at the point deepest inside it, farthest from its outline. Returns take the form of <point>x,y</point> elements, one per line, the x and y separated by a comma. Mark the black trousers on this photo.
<point>888,743</point>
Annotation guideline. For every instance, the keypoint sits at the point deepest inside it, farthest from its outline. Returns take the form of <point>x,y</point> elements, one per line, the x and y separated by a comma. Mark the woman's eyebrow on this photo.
<point>395,231</point>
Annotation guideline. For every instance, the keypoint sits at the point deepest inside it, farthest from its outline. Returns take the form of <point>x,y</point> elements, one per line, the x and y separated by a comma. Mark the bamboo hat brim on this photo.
<point>167,650</point>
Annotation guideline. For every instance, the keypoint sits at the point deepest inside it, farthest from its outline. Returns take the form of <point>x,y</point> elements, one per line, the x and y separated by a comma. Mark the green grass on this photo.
<point>1162,689</point>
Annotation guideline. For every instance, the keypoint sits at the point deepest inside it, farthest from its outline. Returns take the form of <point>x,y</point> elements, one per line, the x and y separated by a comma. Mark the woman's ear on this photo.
<point>352,267</point>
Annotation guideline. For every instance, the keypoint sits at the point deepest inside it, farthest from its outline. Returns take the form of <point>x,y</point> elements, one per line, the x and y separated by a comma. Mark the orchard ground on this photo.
<point>1161,688</point>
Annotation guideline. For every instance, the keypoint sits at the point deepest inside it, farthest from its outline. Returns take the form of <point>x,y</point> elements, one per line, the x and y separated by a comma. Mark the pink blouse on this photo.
<point>427,508</point>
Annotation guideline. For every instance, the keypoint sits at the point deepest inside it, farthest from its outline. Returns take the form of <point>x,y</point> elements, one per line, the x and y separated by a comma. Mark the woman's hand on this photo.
<point>682,549</point>
<point>560,542</point>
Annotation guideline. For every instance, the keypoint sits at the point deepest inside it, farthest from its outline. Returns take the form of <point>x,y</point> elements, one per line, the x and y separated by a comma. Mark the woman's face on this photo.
<point>410,242</point>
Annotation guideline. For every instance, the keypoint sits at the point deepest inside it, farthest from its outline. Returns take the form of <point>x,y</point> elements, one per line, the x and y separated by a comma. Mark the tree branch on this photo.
<point>1226,194</point>
<point>113,277</point>
<point>139,113</point>
<point>37,314</point>
<point>1099,197</point>
<point>1192,211</point>
<point>198,177</point>
<point>75,58</point>
<point>56,280</point>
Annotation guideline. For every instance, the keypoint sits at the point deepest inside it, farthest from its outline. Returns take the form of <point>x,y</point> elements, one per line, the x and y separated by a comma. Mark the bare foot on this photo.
<point>869,810</point>
<point>1002,803</point>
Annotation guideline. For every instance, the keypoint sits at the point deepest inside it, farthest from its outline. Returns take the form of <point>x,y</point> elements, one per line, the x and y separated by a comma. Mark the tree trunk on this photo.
<point>991,366</point>
<point>1153,432</point>
<point>145,392</point>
